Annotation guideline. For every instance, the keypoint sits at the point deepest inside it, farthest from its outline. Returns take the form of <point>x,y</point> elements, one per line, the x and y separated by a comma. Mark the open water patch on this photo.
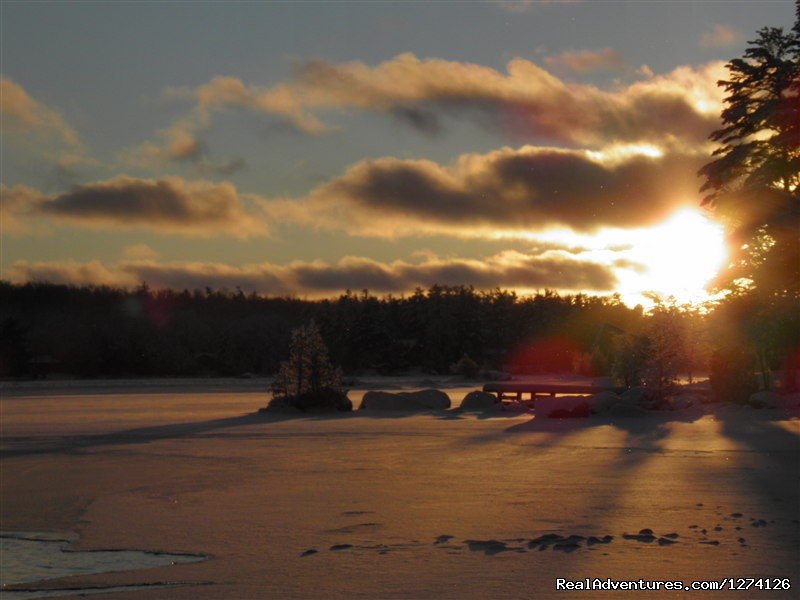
<point>27,557</point>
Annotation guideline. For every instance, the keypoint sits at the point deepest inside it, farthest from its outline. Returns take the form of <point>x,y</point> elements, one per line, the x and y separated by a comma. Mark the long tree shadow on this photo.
<point>764,433</point>
<point>33,445</point>
<point>642,433</point>
<point>141,435</point>
<point>609,504</point>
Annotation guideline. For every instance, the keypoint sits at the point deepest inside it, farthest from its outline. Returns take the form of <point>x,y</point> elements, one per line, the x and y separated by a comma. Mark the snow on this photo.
<point>439,505</point>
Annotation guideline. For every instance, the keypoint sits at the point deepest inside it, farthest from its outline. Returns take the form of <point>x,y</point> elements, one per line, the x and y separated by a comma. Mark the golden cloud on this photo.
<point>505,193</point>
<point>553,270</point>
<point>681,106</point>
<point>587,61</point>
<point>24,116</point>
<point>508,190</point>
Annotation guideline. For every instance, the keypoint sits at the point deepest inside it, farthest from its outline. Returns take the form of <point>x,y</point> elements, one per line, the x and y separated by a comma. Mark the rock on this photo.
<point>562,407</point>
<point>406,401</point>
<point>662,541</point>
<point>634,395</point>
<point>323,400</point>
<point>624,408</point>
<point>602,402</point>
<point>763,399</point>
<point>431,399</point>
<point>336,547</point>
<point>280,405</point>
<point>442,539</point>
<point>478,400</point>
<point>386,401</point>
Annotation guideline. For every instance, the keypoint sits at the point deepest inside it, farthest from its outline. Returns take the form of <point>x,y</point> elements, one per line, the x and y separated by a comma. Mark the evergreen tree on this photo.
<point>308,370</point>
<point>664,349</point>
<point>753,186</point>
<point>752,183</point>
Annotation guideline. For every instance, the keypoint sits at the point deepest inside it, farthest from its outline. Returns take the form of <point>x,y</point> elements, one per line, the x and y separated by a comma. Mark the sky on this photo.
<point>306,148</point>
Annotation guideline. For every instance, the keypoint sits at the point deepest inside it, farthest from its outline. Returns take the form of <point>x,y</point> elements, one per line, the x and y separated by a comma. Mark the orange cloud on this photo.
<point>16,205</point>
<point>509,190</point>
<point>552,270</point>
<point>23,116</point>
<point>720,36</point>
<point>505,193</point>
<point>180,144</point>
<point>587,61</point>
<point>67,272</point>
<point>682,105</point>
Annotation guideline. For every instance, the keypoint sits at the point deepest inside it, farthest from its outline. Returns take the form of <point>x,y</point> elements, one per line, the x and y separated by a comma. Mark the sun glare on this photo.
<point>620,152</point>
<point>679,257</point>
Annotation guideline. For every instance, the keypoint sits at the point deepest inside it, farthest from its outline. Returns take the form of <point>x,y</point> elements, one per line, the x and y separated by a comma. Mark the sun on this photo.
<point>678,257</point>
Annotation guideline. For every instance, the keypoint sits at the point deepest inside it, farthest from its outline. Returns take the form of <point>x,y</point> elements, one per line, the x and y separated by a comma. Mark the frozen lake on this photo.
<point>27,557</point>
<point>432,505</point>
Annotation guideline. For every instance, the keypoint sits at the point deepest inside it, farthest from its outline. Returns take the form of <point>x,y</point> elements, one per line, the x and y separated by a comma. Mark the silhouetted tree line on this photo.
<point>753,187</point>
<point>104,331</point>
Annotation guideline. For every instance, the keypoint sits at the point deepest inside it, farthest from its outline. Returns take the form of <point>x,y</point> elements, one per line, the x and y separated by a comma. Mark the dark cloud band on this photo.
<point>171,204</point>
<point>554,270</point>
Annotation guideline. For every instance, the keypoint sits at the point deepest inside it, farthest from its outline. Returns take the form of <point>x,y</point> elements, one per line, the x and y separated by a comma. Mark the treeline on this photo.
<point>112,332</point>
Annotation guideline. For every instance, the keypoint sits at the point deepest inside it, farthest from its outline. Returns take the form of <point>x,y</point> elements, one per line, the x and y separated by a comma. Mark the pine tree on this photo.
<point>308,369</point>
<point>759,140</point>
<point>752,183</point>
<point>664,349</point>
<point>308,380</point>
<point>753,187</point>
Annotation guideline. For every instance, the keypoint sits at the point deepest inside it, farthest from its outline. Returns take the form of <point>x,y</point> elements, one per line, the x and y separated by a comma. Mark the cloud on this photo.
<point>67,272</point>
<point>172,205</point>
<point>16,204</point>
<point>41,138</point>
<point>720,36</point>
<point>180,144</point>
<point>511,269</point>
<point>505,193</point>
<point>521,190</point>
<point>587,61</point>
<point>521,6</point>
<point>507,269</point>
<point>525,100</point>
<point>139,252</point>
<point>646,71</point>
<point>71,167</point>
<point>24,116</point>
<point>263,278</point>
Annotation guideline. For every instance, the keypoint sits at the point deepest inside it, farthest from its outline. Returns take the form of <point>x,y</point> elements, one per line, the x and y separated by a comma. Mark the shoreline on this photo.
<point>31,387</point>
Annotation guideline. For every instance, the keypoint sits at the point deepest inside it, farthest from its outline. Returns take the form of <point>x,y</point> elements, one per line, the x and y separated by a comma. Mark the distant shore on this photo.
<point>254,384</point>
